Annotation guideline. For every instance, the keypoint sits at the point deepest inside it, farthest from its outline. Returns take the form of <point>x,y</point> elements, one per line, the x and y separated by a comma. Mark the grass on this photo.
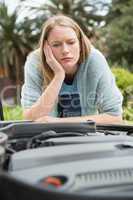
<point>12,113</point>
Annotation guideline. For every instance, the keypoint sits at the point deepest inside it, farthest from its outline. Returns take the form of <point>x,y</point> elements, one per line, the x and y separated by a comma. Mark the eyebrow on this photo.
<point>57,41</point>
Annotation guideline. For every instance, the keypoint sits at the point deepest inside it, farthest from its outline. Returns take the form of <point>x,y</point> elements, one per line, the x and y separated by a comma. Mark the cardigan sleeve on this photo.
<point>108,96</point>
<point>33,80</point>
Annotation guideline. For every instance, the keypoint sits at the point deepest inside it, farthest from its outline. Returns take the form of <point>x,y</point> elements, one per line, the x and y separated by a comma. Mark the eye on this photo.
<point>55,45</point>
<point>71,42</point>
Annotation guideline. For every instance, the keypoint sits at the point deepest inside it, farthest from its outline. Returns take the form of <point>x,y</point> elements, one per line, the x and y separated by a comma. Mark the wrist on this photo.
<point>60,75</point>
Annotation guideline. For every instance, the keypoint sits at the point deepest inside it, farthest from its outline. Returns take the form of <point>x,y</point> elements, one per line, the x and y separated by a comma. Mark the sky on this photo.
<point>13,3</point>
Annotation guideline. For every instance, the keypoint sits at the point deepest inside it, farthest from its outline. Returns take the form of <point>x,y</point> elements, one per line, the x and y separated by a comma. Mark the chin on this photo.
<point>69,67</point>
<point>70,72</point>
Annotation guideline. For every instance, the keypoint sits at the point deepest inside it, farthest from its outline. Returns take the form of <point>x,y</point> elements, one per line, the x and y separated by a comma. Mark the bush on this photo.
<point>12,113</point>
<point>128,114</point>
<point>128,96</point>
<point>124,80</point>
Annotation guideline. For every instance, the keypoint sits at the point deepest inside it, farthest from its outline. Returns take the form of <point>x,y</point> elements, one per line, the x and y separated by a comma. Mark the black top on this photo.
<point>69,102</point>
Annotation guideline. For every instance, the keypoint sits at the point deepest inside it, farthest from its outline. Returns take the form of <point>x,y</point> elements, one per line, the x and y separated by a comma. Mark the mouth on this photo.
<point>67,59</point>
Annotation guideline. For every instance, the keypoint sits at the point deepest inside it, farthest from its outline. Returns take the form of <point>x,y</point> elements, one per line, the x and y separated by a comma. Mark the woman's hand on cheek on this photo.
<point>51,60</point>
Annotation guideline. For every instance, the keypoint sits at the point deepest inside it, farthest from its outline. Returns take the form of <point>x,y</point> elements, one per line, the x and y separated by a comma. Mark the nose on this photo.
<point>65,48</point>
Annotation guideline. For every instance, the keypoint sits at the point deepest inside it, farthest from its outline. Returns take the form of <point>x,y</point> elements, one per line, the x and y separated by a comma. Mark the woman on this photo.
<point>67,79</point>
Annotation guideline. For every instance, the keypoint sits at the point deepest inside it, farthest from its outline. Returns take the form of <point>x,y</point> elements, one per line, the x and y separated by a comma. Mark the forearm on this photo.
<point>47,100</point>
<point>101,118</point>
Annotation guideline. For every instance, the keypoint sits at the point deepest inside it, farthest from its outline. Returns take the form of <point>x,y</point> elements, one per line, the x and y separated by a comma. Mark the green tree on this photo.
<point>120,32</point>
<point>84,12</point>
<point>16,41</point>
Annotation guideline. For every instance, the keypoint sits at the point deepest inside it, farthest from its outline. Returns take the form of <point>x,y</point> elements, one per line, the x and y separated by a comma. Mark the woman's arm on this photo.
<point>101,118</point>
<point>46,102</point>
<point>44,105</point>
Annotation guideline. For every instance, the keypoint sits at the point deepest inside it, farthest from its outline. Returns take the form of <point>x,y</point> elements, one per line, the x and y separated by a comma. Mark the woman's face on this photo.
<point>65,47</point>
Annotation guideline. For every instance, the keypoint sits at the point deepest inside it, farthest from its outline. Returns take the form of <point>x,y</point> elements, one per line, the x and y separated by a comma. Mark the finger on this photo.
<point>49,51</point>
<point>45,49</point>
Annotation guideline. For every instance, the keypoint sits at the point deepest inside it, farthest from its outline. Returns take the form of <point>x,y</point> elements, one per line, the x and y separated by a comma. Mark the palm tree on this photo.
<point>16,41</point>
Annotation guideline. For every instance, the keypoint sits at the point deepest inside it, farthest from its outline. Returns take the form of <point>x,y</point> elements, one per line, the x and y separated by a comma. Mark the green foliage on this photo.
<point>16,41</point>
<point>119,33</point>
<point>12,113</point>
<point>124,80</point>
<point>123,77</point>
<point>128,114</point>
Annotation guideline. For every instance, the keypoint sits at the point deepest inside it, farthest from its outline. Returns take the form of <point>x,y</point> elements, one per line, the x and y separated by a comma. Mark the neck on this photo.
<point>69,78</point>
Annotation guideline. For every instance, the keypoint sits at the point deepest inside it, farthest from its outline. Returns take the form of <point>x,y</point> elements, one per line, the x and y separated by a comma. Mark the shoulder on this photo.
<point>97,58</point>
<point>34,57</point>
<point>96,62</point>
<point>33,60</point>
<point>95,52</point>
<point>33,64</point>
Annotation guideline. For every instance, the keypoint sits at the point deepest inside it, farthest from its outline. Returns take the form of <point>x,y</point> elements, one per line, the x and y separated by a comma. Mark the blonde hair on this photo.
<point>61,20</point>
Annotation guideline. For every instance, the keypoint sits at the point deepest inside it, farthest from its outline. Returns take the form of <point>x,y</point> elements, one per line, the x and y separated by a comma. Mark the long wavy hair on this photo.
<point>61,20</point>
